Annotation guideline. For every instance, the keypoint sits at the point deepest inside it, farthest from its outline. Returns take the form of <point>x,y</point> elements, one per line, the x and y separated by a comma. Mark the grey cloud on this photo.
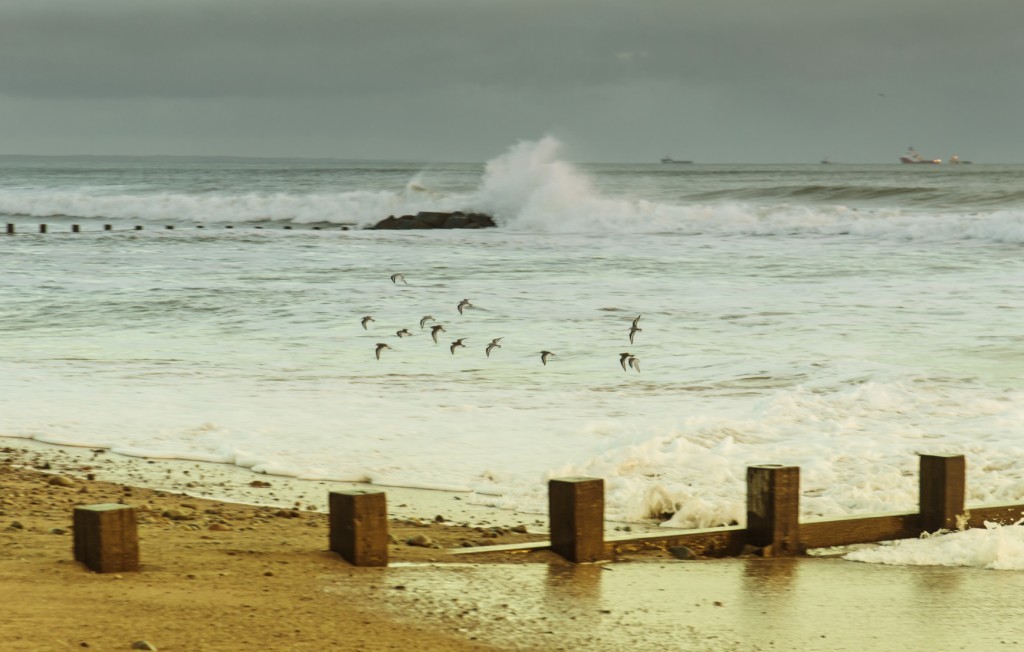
<point>461,79</point>
<point>258,48</point>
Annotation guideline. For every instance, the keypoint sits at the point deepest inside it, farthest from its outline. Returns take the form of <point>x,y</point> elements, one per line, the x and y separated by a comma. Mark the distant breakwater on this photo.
<point>419,221</point>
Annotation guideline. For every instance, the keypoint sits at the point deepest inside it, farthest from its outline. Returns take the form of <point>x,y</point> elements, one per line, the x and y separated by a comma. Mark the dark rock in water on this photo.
<point>436,220</point>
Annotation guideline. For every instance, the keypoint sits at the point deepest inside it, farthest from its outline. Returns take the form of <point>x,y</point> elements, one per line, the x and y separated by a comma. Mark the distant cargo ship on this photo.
<point>913,157</point>
<point>669,159</point>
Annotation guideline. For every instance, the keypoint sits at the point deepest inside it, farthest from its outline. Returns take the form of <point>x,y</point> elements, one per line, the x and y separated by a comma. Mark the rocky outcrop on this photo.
<point>432,220</point>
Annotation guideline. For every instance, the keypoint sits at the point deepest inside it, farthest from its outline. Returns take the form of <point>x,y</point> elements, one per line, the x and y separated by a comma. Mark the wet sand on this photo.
<point>231,576</point>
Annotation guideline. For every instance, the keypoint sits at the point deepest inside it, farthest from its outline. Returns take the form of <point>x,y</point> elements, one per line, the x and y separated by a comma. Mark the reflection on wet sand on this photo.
<point>728,604</point>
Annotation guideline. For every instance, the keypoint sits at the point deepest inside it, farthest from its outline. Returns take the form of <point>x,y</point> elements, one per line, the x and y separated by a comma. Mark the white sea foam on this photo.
<point>846,359</point>
<point>361,207</point>
<point>997,547</point>
<point>529,188</point>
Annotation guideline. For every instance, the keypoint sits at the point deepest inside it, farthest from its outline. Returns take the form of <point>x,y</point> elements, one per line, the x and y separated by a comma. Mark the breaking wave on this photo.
<point>530,188</point>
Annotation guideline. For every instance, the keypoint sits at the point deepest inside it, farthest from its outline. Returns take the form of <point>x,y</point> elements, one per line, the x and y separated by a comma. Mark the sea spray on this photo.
<point>842,339</point>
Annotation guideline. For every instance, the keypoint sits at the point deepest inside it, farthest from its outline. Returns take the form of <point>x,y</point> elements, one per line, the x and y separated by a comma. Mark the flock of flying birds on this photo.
<point>627,360</point>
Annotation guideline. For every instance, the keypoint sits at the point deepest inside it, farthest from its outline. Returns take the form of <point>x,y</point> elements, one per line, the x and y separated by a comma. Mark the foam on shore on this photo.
<point>996,547</point>
<point>234,484</point>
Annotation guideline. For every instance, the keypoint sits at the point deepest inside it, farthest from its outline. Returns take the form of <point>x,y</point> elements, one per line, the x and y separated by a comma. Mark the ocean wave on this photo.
<point>529,188</point>
<point>361,207</point>
<point>918,197</point>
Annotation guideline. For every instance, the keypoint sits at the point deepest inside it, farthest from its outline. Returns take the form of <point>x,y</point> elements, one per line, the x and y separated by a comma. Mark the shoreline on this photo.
<point>234,484</point>
<point>232,576</point>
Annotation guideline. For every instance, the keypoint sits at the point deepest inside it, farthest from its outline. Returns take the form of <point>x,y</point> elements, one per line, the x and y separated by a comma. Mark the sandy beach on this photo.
<point>215,575</point>
<point>219,575</point>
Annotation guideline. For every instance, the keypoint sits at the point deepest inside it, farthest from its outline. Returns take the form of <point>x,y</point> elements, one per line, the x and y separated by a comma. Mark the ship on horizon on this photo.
<point>669,159</point>
<point>913,157</point>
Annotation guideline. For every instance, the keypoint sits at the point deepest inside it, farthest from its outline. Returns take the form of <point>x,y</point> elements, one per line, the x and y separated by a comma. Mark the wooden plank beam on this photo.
<point>1002,514</point>
<point>844,531</point>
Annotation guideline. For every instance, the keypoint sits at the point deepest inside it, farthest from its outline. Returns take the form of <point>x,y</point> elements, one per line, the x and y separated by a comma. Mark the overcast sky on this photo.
<point>461,80</point>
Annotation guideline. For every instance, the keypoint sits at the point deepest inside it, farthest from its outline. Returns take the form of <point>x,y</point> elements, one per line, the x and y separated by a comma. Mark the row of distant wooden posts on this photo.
<point>106,539</point>
<point>77,228</point>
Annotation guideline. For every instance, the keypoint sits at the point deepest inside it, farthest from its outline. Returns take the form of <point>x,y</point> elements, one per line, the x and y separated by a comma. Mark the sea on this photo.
<point>840,318</point>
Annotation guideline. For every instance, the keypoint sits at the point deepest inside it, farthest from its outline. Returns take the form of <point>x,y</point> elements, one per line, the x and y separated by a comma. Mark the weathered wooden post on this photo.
<point>107,227</point>
<point>576,514</point>
<point>229,227</point>
<point>42,228</point>
<point>169,227</point>
<point>138,227</point>
<point>10,229</point>
<point>287,228</point>
<point>106,537</point>
<point>75,228</point>
<point>942,488</point>
<point>359,526</point>
<point>773,509</point>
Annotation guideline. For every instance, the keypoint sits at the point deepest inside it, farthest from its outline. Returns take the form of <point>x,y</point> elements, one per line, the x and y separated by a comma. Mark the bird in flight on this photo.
<point>434,330</point>
<point>634,329</point>
<point>456,344</point>
<point>464,304</point>
<point>634,362</point>
<point>380,347</point>
<point>395,278</point>
<point>403,333</point>
<point>625,358</point>
<point>493,345</point>
<point>423,322</point>
<point>544,355</point>
<point>365,320</point>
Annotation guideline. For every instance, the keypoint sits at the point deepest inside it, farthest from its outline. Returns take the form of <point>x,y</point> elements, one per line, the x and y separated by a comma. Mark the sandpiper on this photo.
<point>365,320</point>
<point>634,362</point>
<point>456,344</point>
<point>544,355</point>
<point>426,318</point>
<point>434,330</point>
<point>636,320</point>
<point>403,333</point>
<point>633,330</point>
<point>623,359</point>
<point>465,304</point>
<point>395,278</point>
<point>380,347</point>
<point>493,345</point>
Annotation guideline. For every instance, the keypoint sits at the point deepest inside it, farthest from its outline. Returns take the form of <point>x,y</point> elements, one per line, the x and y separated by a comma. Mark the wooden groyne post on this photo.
<point>106,537</point>
<point>943,485</point>
<point>576,513</point>
<point>359,526</point>
<point>773,509</point>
